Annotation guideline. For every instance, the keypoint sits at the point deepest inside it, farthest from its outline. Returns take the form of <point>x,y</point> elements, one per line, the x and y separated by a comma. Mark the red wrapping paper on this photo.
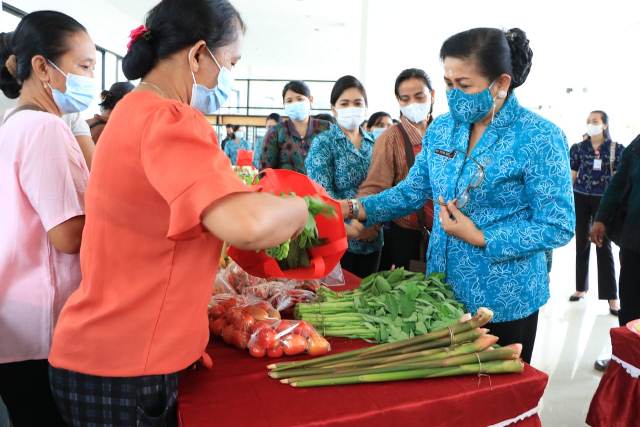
<point>616,402</point>
<point>237,392</point>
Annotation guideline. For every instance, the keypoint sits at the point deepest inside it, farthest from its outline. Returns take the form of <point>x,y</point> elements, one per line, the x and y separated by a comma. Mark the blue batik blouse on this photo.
<point>523,205</point>
<point>336,164</point>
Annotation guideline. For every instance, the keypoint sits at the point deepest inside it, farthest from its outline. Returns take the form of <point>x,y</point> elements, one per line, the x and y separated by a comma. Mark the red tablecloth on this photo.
<point>237,392</point>
<point>617,400</point>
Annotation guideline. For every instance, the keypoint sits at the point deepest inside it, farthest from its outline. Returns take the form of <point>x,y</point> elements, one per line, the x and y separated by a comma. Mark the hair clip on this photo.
<point>135,34</point>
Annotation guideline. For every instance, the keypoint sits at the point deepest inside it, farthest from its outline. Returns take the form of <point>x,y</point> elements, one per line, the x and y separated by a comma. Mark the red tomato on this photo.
<point>229,302</point>
<point>240,339</point>
<point>318,345</point>
<point>266,338</point>
<point>262,324</point>
<point>256,351</point>
<point>247,322</point>
<point>294,344</point>
<point>216,326</point>
<point>304,329</point>
<point>217,311</point>
<point>257,312</point>
<point>227,333</point>
<point>283,325</point>
<point>275,352</point>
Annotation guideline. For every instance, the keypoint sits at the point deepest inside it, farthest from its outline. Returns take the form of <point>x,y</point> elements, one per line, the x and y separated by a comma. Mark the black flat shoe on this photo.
<point>601,365</point>
<point>614,311</point>
<point>574,298</point>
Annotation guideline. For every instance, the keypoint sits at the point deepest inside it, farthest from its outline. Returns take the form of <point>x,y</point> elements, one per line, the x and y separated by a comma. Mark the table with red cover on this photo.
<point>237,392</point>
<point>616,402</point>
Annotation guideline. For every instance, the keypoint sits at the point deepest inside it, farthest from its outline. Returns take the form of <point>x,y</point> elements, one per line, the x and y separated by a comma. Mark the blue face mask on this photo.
<point>470,107</point>
<point>376,132</point>
<point>79,93</point>
<point>297,111</point>
<point>209,101</point>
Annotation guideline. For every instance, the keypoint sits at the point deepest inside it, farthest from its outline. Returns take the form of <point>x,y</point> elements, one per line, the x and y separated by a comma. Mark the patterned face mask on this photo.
<point>470,107</point>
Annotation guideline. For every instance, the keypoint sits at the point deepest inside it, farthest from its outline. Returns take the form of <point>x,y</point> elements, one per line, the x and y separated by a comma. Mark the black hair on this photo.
<point>344,83</point>
<point>395,121</point>
<point>116,92</point>
<point>326,117</point>
<point>229,125</point>
<point>173,25</point>
<point>605,119</point>
<point>375,118</point>
<point>297,86</point>
<point>496,52</point>
<point>411,73</point>
<point>273,116</point>
<point>39,33</point>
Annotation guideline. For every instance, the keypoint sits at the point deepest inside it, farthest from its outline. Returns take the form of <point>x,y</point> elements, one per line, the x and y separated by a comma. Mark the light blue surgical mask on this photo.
<point>376,132</point>
<point>209,101</point>
<point>470,107</point>
<point>298,111</point>
<point>79,93</point>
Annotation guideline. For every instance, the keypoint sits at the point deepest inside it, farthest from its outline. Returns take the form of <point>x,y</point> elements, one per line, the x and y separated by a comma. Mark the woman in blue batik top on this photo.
<point>236,144</point>
<point>339,160</point>
<point>501,176</point>
<point>593,163</point>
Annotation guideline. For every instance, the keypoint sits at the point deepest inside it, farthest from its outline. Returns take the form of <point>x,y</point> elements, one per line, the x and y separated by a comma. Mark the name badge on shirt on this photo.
<point>597,164</point>
<point>449,154</point>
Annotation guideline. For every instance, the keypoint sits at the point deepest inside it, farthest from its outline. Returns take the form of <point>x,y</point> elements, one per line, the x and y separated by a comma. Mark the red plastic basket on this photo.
<point>323,258</point>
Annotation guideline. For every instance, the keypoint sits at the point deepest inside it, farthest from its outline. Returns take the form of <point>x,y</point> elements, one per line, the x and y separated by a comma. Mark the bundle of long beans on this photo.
<point>460,349</point>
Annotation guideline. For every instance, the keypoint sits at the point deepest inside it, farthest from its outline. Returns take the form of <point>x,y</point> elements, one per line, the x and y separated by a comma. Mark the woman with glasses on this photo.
<point>501,181</point>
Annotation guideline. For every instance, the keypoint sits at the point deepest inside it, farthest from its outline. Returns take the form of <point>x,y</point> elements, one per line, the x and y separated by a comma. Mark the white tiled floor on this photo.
<point>571,335</point>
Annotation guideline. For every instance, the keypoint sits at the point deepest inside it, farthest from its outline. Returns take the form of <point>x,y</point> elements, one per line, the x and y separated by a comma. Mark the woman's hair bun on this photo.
<point>9,83</point>
<point>140,59</point>
<point>521,55</point>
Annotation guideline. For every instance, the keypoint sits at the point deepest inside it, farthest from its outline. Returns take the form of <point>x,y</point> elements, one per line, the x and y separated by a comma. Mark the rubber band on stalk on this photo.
<point>482,374</point>
<point>452,338</point>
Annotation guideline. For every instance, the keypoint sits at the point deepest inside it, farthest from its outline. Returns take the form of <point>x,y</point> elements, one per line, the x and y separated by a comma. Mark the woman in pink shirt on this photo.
<point>47,63</point>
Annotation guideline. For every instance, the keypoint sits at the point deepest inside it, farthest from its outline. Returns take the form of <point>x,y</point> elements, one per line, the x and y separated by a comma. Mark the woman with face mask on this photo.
<point>286,144</point>
<point>47,64</point>
<point>378,123</point>
<point>500,176</point>
<point>238,142</point>
<point>161,200</point>
<point>405,239</point>
<point>339,160</point>
<point>593,163</point>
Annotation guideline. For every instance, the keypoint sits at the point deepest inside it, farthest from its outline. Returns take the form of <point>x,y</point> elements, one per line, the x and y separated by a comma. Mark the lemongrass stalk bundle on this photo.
<point>504,353</point>
<point>492,367</point>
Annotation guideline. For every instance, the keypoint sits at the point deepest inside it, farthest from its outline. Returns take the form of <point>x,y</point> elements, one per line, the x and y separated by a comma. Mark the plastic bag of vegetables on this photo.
<point>247,323</point>
<point>286,337</point>
<point>314,253</point>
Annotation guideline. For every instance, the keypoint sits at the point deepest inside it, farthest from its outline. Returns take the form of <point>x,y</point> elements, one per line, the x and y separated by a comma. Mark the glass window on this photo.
<point>110,69</point>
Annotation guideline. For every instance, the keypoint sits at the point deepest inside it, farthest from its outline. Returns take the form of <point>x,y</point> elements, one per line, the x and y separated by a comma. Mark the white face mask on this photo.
<point>239,134</point>
<point>351,118</point>
<point>593,129</point>
<point>416,113</point>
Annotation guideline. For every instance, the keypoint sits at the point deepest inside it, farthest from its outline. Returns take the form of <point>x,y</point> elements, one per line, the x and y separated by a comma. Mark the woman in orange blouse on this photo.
<point>161,200</point>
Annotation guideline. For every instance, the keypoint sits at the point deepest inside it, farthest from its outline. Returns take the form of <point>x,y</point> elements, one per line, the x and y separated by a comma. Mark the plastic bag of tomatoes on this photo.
<point>250,323</point>
<point>286,338</point>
